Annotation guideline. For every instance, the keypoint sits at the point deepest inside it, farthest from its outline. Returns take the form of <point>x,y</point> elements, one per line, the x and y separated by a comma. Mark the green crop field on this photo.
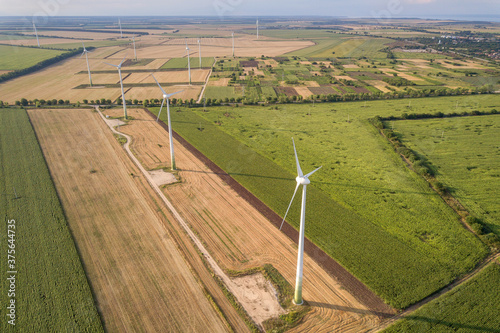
<point>182,62</point>
<point>51,290</point>
<point>341,46</point>
<point>94,43</point>
<point>466,151</point>
<point>472,307</point>
<point>15,57</point>
<point>366,208</point>
<point>220,92</point>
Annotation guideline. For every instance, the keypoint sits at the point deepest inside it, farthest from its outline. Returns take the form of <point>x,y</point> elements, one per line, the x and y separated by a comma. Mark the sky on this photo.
<point>225,8</point>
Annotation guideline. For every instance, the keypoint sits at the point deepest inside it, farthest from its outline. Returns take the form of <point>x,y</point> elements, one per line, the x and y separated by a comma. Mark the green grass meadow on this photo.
<point>471,307</point>
<point>16,57</point>
<point>194,60</point>
<point>466,153</point>
<point>366,209</point>
<point>51,290</point>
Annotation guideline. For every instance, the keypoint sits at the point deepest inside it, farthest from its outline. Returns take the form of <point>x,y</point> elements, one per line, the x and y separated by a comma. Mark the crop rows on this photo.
<point>52,293</point>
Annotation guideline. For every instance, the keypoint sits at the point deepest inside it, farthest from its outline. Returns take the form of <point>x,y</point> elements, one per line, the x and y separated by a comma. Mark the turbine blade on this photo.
<point>120,65</point>
<point>160,109</point>
<point>163,91</point>
<point>299,170</point>
<point>172,94</point>
<point>310,173</point>
<point>290,205</point>
<point>111,64</point>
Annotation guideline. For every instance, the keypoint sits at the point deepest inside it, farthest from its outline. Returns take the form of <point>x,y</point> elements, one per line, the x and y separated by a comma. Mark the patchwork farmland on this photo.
<point>402,226</point>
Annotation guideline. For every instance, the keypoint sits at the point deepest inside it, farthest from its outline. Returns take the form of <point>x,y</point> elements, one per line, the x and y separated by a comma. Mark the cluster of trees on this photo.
<point>398,81</point>
<point>40,65</point>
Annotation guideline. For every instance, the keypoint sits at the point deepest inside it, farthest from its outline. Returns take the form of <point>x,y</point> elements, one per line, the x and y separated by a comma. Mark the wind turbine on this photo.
<point>257,28</point>
<point>36,33</point>
<point>86,57</point>
<point>233,42</point>
<point>199,50</point>
<point>304,181</point>
<point>189,62</point>
<point>121,84</point>
<point>135,53</point>
<point>120,24</point>
<point>166,97</point>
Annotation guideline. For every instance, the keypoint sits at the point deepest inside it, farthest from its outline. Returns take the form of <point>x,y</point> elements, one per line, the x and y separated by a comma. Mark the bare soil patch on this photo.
<point>289,91</point>
<point>161,177</point>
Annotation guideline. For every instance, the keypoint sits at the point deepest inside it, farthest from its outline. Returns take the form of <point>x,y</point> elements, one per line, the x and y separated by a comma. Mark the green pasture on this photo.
<point>17,57</point>
<point>466,153</point>
<point>194,62</point>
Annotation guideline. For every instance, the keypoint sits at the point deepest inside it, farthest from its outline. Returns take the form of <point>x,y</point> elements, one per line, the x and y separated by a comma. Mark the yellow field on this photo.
<point>139,278</point>
<point>57,82</point>
<point>380,85</point>
<point>303,91</point>
<point>197,75</point>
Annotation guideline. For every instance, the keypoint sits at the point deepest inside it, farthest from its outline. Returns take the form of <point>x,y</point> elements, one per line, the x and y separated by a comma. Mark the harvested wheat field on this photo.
<point>197,75</point>
<point>238,236</point>
<point>142,93</point>
<point>303,91</point>
<point>138,276</point>
<point>58,82</point>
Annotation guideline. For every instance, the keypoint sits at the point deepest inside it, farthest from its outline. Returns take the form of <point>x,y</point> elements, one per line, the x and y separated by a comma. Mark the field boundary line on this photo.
<point>206,82</point>
<point>354,286</point>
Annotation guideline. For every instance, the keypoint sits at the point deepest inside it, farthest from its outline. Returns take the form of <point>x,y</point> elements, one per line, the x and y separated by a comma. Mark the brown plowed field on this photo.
<point>139,278</point>
<point>239,236</point>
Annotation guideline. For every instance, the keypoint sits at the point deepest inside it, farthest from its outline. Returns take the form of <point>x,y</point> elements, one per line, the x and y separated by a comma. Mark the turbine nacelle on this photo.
<point>302,180</point>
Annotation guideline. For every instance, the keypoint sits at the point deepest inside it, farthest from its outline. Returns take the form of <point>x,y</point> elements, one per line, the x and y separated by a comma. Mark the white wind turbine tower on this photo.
<point>135,53</point>
<point>304,181</point>
<point>120,24</point>
<point>199,50</point>
<point>189,62</point>
<point>166,97</point>
<point>36,33</point>
<point>121,84</point>
<point>87,58</point>
<point>233,42</point>
<point>257,28</point>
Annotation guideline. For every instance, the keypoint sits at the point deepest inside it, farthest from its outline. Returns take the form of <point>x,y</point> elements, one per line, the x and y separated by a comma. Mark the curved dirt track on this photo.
<point>239,236</point>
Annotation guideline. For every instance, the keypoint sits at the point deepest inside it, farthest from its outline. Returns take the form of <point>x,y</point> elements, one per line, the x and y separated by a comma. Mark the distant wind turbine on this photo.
<point>199,50</point>
<point>36,33</point>
<point>120,24</point>
<point>304,181</point>
<point>121,84</point>
<point>189,62</point>
<point>233,42</point>
<point>135,53</point>
<point>87,58</point>
<point>257,28</point>
<point>166,97</point>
